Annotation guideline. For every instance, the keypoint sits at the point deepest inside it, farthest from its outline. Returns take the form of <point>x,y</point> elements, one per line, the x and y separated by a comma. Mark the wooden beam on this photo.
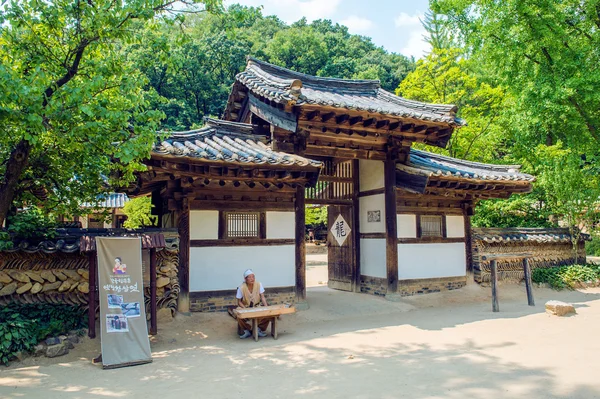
<point>183,228</point>
<point>93,272</point>
<point>299,208</point>
<point>153,312</point>
<point>356,217</point>
<point>494,281</point>
<point>391,228</point>
<point>274,116</point>
<point>527,272</point>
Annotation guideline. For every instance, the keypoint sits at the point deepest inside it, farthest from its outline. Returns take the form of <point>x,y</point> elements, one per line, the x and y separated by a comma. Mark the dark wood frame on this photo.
<point>262,225</point>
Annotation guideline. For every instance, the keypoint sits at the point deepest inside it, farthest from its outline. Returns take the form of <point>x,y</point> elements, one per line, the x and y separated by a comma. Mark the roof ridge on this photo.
<point>352,84</point>
<point>500,168</point>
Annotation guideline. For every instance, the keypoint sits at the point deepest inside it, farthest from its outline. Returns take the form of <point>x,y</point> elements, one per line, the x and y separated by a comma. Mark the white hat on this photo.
<point>248,272</point>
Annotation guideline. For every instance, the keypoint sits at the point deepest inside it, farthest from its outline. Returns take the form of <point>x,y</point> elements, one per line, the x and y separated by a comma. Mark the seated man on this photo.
<point>251,294</point>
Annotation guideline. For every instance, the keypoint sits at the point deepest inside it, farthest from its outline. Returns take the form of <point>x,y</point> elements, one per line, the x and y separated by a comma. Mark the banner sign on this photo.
<point>123,327</point>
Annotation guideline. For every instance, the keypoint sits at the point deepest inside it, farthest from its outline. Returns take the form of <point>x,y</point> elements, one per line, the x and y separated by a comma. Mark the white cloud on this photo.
<point>412,30</point>
<point>357,24</point>
<point>292,10</point>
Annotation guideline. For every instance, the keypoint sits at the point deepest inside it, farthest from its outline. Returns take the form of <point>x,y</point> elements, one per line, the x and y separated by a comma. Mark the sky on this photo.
<point>392,24</point>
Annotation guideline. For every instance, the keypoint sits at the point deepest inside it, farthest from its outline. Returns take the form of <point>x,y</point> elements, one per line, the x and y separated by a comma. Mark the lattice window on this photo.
<point>242,225</point>
<point>431,226</point>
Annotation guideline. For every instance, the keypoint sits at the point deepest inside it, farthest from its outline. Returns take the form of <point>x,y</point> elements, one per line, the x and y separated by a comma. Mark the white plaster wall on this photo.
<point>204,225</point>
<point>370,174</point>
<point>431,260</point>
<point>407,226</point>
<point>222,268</point>
<point>372,257</point>
<point>455,226</point>
<point>281,225</point>
<point>372,203</point>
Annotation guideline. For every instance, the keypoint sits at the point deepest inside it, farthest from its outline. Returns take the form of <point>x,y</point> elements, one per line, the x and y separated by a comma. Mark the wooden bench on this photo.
<point>264,312</point>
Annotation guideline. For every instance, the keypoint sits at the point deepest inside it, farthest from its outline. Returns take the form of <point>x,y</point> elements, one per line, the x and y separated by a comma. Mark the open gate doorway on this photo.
<point>337,189</point>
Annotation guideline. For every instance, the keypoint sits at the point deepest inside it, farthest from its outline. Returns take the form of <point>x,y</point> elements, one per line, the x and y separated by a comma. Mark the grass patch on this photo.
<point>568,277</point>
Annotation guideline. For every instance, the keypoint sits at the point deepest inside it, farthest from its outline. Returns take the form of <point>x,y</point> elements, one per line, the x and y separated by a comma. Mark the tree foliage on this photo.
<point>67,95</point>
<point>190,69</point>
<point>139,213</point>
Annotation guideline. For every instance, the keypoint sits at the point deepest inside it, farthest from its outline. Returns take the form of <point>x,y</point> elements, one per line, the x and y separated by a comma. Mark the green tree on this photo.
<point>139,213</point>
<point>67,94</point>
<point>445,76</point>
<point>544,53</point>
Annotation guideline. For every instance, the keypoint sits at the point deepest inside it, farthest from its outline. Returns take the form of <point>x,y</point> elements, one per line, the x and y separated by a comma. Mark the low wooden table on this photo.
<point>264,312</point>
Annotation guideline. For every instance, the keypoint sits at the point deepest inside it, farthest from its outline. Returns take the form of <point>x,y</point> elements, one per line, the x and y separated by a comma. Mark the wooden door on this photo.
<point>340,243</point>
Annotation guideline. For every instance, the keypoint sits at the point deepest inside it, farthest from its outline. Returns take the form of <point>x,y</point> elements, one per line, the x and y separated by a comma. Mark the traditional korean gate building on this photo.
<point>399,218</point>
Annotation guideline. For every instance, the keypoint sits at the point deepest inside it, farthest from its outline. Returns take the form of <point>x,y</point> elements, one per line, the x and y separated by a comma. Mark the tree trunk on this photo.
<point>17,162</point>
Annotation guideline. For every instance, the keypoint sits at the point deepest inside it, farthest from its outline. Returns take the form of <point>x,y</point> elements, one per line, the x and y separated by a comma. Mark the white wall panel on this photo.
<point>370,174</point>
<point>372,257</point>
<point>204,225</point>
<point>431,260</point>
<point>372,203</point>
<point>407,226</point>
<point>455,226</point>
<point>281,225</point>
<point>222,268</point>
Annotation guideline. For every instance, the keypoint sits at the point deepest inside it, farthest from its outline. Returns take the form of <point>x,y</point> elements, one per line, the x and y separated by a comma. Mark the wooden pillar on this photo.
<point>183,228</point>
<point>356,225</point>
<point>92,273</point>
<point>527,271</point>
<point>494,281</point>
<point>468,242</point>
<point>153,321</point>
<point>299,209</point>
<point>391,228</point>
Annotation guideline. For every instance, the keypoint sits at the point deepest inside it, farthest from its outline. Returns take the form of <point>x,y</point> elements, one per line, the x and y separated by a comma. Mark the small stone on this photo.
<point>52,341</point>
<point>24,288</point>
<point>35,277</point>
<point>60,275</point>
<point>559,308</point>
<point>51,286</point>
<point>56,350</point>
<point>64,286</point>
<point>164,315</point>
<point>84,288</point>
<point>72,274</point>
<point>19,276</point>
<point>162,281</point>
<point>48,276</point>
<point>5,278</point>
<point>84,273</point>
<point>37,287</point>
<point>39,350</point>
<point>73,338</point>
<point>69,344</point>
<point>9,289</point>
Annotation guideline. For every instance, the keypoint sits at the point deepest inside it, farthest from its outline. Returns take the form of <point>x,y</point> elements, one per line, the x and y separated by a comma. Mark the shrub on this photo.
<point>592,248</point>
<point>566,276</point>
<point>23,326</point>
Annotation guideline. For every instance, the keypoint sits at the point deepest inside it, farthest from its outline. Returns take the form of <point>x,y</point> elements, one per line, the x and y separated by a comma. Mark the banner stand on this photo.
<point>123,325</point>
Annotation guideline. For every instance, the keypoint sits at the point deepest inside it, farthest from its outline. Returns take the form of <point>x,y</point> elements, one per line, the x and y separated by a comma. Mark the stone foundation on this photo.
<point>218,301</point>
<point>429,285</point>
<point>373,285</point>
<point>378,286</point>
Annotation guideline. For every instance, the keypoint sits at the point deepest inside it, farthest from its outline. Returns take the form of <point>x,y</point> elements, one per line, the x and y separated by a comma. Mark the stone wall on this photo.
<point>378,286</point>
<point>548,247</point>
<point>46,274</point>
<point>218,301</point>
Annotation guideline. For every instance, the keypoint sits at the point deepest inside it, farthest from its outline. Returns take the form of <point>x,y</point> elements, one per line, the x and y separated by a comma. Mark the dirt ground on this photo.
<point>443,345</point>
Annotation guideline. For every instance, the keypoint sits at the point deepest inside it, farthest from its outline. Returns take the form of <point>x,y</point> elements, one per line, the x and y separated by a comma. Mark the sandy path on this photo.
<point>446,345</point>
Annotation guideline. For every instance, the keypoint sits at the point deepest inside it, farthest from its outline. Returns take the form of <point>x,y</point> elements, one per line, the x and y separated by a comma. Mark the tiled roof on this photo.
<point>429,164</point>
<point>228,142</point>
<point>288,87</point>
<point>537,235</point>
<point>113,200</point>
